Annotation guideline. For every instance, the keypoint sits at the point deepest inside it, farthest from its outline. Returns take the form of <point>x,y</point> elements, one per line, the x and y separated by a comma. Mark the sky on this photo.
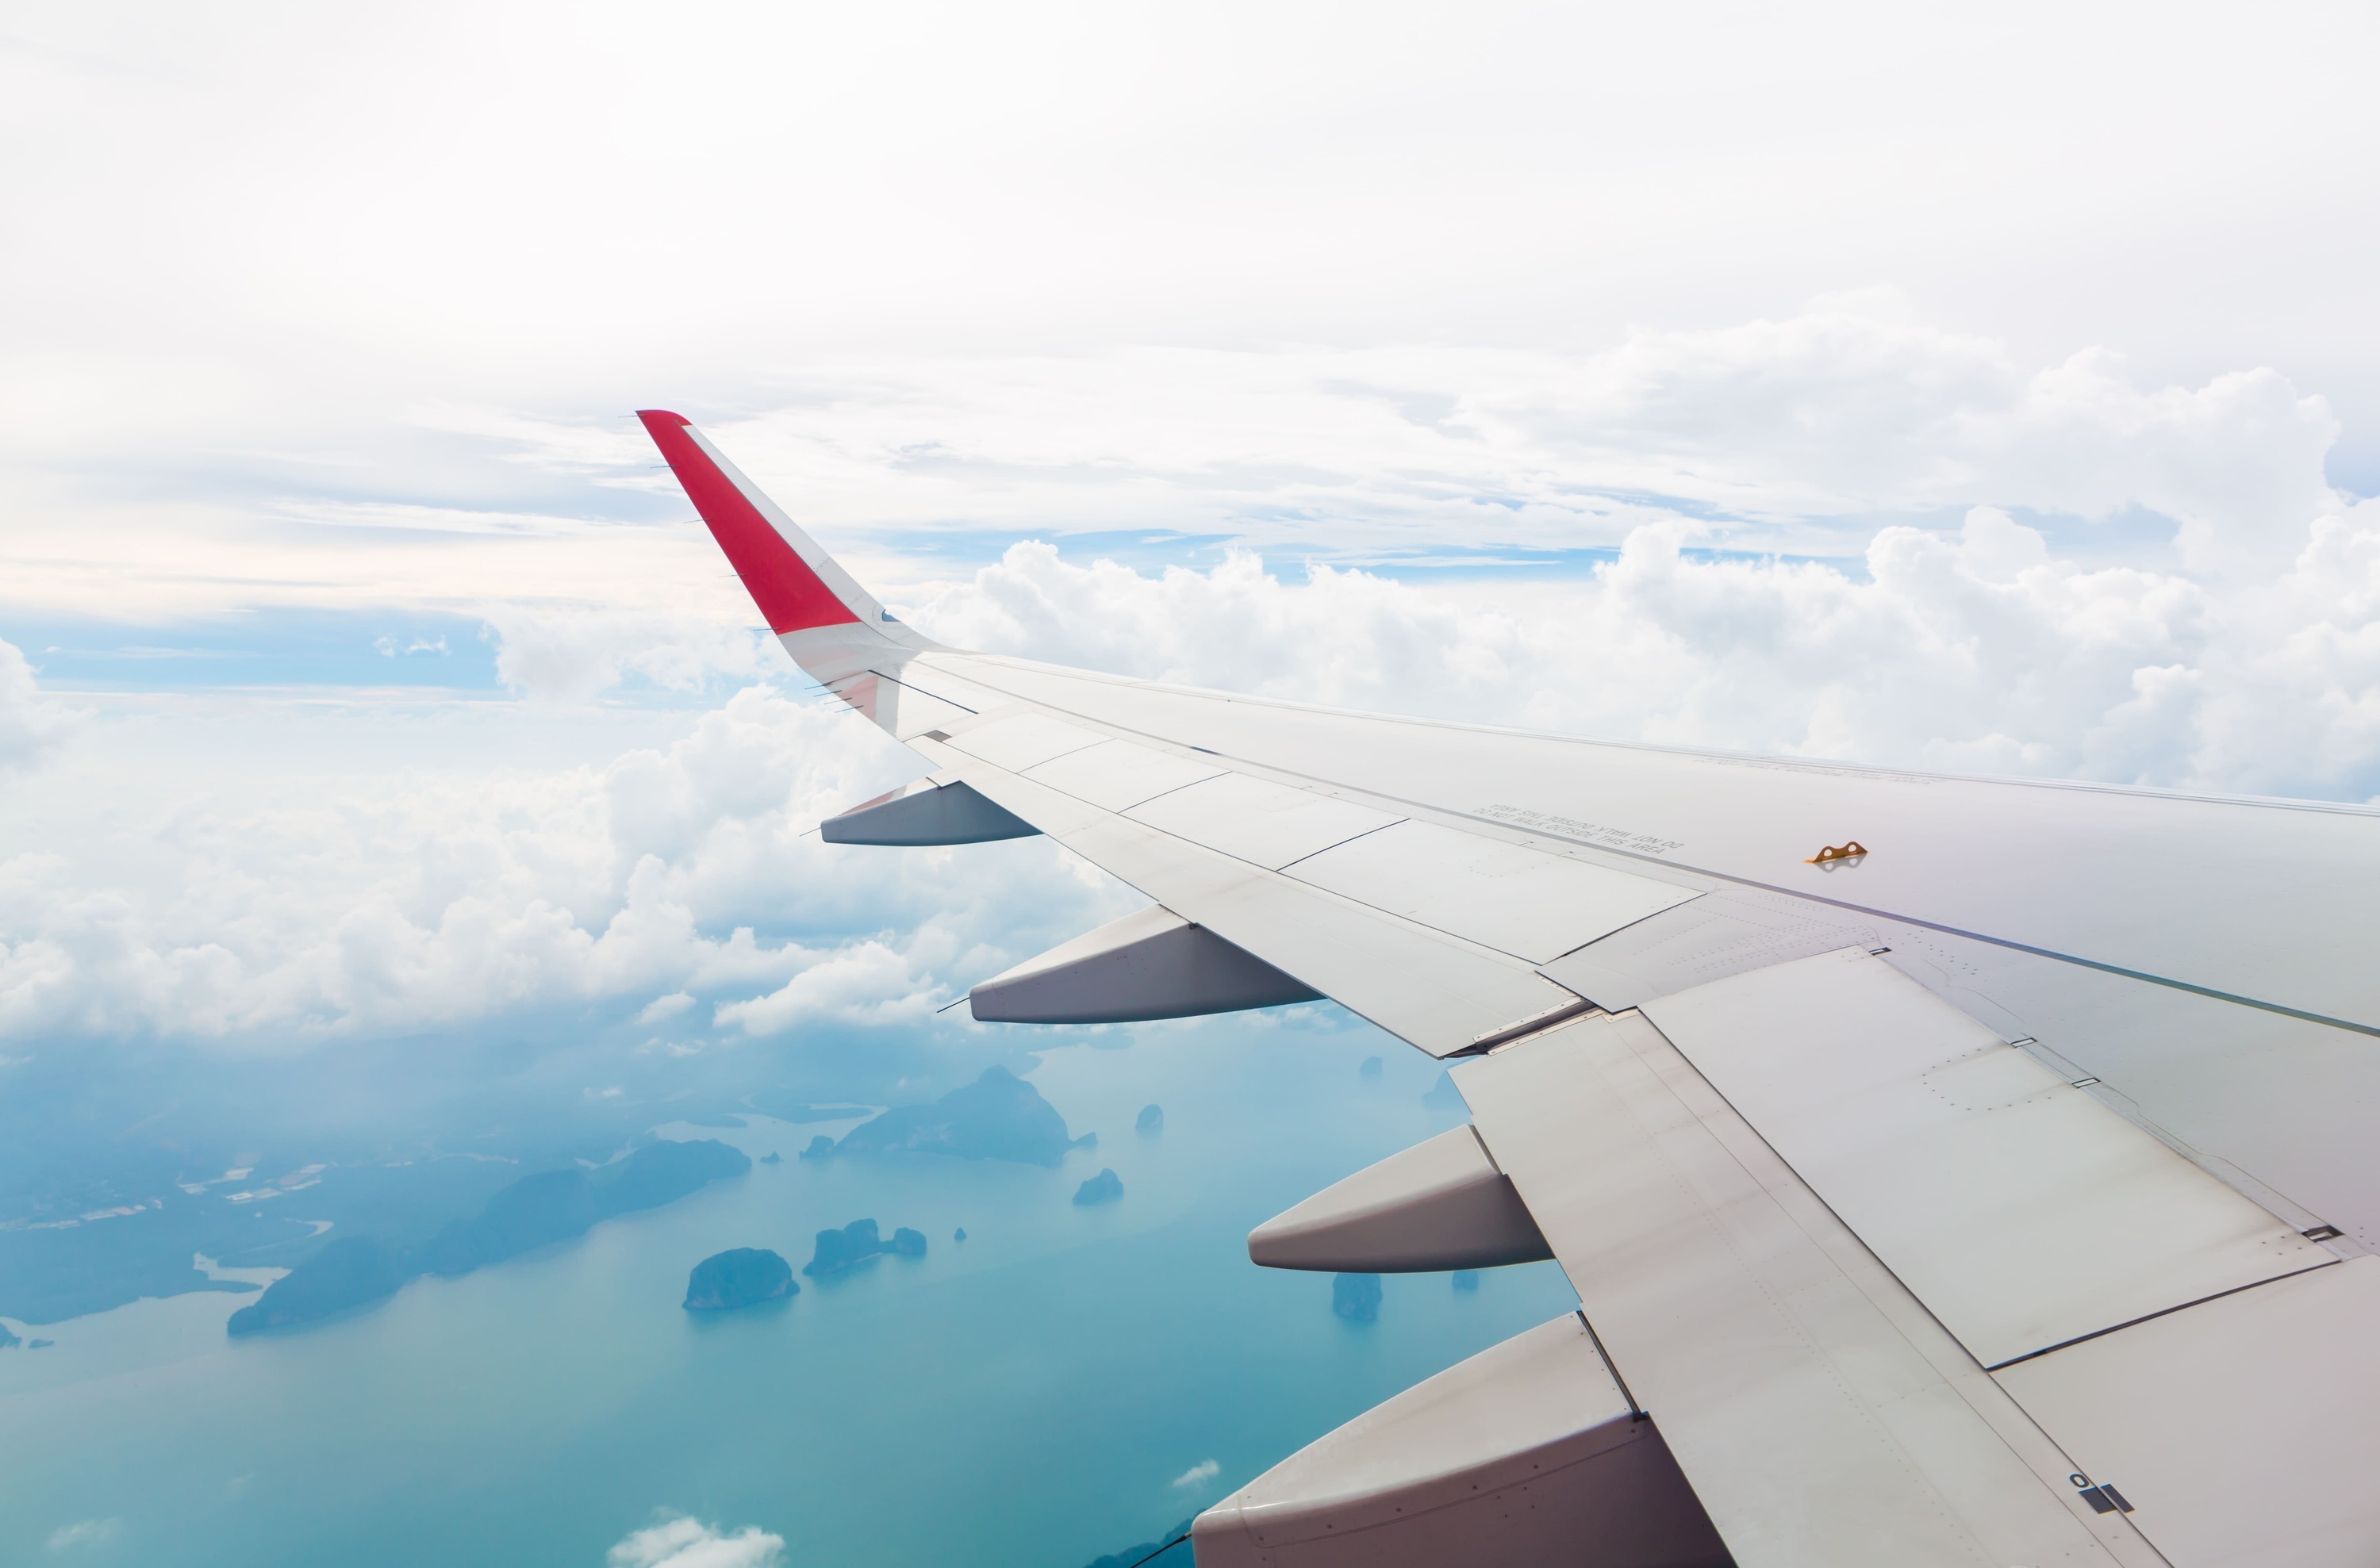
<point>1995,393</point>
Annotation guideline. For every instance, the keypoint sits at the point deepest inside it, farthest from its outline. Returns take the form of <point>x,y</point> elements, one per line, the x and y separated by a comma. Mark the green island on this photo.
<point>533,1212</point>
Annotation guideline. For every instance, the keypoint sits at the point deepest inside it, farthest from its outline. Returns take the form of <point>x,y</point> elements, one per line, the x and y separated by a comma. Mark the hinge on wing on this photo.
<point>1561,1012</point>
<point>2102,1497</point>
<point>1849,850</point>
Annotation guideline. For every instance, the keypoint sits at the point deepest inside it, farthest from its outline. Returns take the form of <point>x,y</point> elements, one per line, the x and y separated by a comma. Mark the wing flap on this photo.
<point>2023,1211</point>
<point>2242,1430</point>
<point>1823,1416</point>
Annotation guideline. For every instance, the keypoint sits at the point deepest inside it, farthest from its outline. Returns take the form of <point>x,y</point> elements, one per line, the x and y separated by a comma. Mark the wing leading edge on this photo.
<point>1909,1196</point>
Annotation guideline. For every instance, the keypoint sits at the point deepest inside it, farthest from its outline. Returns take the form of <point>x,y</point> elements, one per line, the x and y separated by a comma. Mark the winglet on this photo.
<point>797,584</point>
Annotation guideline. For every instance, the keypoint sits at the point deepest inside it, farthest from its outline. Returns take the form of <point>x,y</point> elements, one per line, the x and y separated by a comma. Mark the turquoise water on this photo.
<point>1026,1398</point>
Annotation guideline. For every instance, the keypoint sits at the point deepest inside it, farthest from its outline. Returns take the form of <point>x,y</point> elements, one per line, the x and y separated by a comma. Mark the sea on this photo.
<point>1063,1384</point>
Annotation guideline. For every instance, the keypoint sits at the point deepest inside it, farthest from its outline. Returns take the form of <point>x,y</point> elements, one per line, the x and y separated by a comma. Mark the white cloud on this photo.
<point>569,654</point>
<point>1801,433</point>
<point>30,725</point>
<point>86,1532</point>
<point>664,1007</point>
<point>1198,1475</point>
<point>867,982</point>
<point>317,894</point>
<point>689,1543</point>
<point>1974,648</point>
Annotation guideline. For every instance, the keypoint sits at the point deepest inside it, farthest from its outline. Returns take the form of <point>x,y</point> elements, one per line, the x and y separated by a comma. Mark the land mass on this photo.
<point>998,1117</point>
<point>1357,1297</point>
<point>856,1242</point>
<point>1104,1188</point>
<point>742,1277</point>
<point>533,1212</point>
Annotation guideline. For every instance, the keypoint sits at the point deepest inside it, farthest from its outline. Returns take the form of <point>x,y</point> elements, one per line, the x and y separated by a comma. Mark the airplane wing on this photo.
<point>1950,1170</point>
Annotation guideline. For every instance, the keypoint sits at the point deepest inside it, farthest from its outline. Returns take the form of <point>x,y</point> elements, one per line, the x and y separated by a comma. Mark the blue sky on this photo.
<point>1987,396</point>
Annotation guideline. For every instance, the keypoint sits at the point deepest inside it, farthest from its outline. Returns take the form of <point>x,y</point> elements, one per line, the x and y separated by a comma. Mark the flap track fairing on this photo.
<point>1527,1455</point>
<point>925,814</point>
<point>1150,965</point>
<point>1439,1205</point>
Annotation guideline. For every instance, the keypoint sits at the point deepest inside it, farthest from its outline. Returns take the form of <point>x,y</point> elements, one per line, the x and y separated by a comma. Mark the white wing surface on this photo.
<point>1950,1170</point>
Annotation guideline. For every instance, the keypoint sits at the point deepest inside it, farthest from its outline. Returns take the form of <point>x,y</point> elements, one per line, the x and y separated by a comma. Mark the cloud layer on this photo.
<point>1970,649</point>
<point>253,908</point>
<point>30,725</point>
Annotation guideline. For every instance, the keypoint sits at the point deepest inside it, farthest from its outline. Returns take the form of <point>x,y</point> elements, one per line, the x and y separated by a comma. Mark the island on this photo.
<point>8,1339</point>
<point>857,1243</point>
<point>349,1273</point>
<point>772,1158</point>
<point>1466,1279</point>
<point>1104,1188</point>
<point>959,1235</point>
<point>998,1117</point>
<point>1357,1297</point>
<point>1371,1068</point>
<point>742,1277</point>
<point>533,1212</point>
<point>1151,1119</point>
<point>820,1147</point>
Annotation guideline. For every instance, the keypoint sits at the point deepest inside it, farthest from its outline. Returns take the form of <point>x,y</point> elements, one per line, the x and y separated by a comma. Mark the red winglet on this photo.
<point>790,595</point>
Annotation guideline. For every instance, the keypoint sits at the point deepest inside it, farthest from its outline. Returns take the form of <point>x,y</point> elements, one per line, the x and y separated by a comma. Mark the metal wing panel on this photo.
<point>1118,774</point>
<point>1258,821</point>
<point>1434,991</point>
<point>1823,1416</point>
<point>1513,898</point>
<point>2242,1430</point>
<point>1721,934</point>
<point>2021,1211</point>
<point>1016,739</point>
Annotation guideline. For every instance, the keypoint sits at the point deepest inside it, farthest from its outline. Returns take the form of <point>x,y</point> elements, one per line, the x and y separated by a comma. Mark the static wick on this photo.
<point>1849,851</point>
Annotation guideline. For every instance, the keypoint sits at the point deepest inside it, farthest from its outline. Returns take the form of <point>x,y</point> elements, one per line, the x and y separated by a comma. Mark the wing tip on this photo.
<point>787,590</point>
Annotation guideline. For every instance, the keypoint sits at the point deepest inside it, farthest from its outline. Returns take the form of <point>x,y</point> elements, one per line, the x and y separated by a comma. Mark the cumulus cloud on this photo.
<point>661,1009</point>
<point>570,654</point>
<point>30,725</point>
<point>1972,648</point>
<point>690,1543</point>
<point>1198,1475</point>
<point>868,982</point>
<point>359,901</point>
